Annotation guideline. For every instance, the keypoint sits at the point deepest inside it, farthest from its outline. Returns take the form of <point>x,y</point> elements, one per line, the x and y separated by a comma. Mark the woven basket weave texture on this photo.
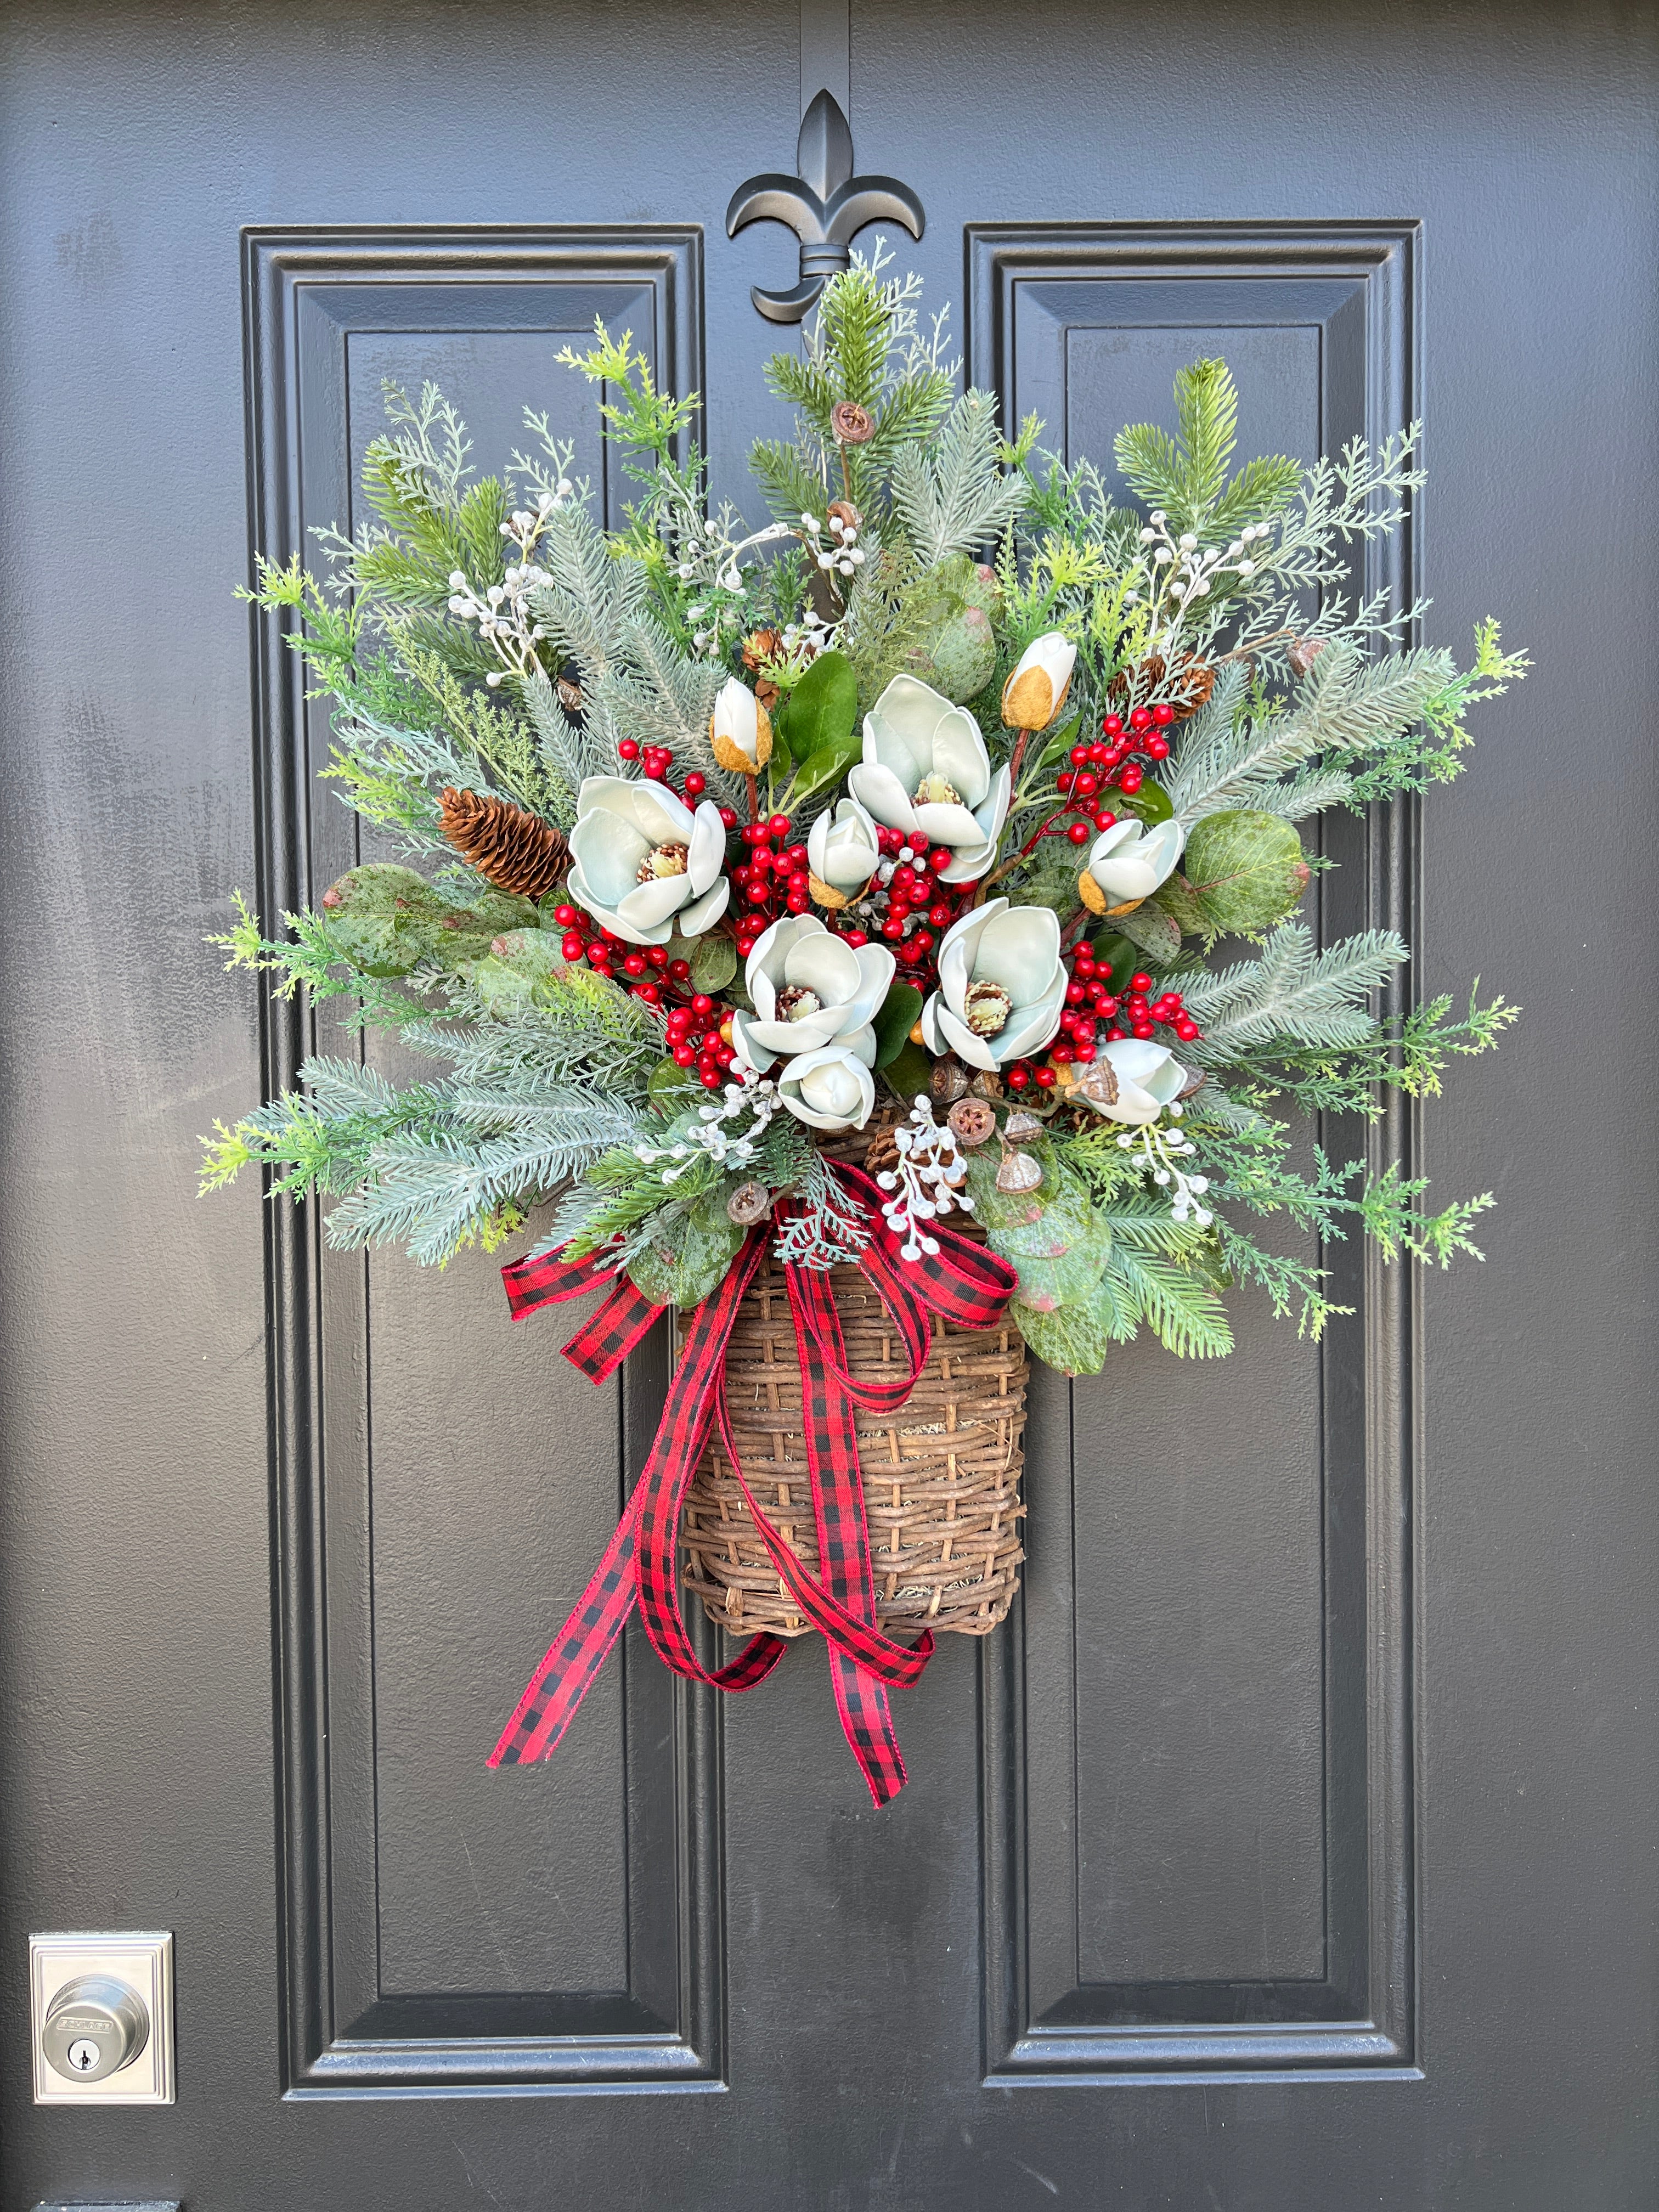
<point>941,1476</point>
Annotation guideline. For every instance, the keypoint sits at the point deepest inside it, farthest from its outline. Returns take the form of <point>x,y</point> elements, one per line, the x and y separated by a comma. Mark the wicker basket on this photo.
<point>941,1476</point>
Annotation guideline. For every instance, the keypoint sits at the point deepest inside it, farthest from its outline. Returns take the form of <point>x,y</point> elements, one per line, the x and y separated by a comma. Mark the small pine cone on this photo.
<point>508,848</point>
<point>1193,681</point>
<point>883,1156</point>
<point>761,645</point>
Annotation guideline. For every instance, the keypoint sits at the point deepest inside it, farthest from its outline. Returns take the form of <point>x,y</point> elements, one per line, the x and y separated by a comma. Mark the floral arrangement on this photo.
<point>920,811</point>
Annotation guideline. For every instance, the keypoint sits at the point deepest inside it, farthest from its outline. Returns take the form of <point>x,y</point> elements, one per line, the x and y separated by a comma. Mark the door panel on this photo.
<point>1289,1848</point>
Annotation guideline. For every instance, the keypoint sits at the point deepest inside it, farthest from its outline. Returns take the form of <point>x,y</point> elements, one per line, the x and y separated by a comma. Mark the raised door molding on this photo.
<point>447,1930</point>
<point>1083,325</point>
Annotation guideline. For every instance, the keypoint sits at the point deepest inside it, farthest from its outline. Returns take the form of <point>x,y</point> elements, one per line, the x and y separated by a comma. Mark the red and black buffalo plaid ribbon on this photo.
<point>962,1283</point>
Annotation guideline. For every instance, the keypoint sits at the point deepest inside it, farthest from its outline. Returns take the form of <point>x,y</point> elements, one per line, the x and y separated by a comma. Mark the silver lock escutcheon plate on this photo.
<point>100,2007</point>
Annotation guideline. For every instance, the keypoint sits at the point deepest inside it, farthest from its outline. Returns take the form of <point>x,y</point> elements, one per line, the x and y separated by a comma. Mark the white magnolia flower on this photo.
<point>808,989</point>
<point>842,850</point>
<point>1035,691</point>
<point>1001,987</point>
<point>1144,1077</point>
<point>832,1088</point>
<point>1128,861</point>
<point>643,864</point>
<point>739,729</point>
<point>925,768</point>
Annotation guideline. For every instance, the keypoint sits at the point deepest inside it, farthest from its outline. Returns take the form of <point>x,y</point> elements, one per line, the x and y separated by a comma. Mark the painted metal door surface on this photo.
<point>1290,1849</point>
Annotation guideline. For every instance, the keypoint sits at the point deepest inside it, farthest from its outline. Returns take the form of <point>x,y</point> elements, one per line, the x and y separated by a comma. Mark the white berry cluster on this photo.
<point>927,1181</point>
<point>1192,572</point>
<point>1155,1150</point>
<point>834,547</point>
<point>711,1135</point>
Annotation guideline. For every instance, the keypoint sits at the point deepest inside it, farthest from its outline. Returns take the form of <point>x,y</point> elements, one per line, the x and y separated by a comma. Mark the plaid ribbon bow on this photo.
<point>962,1283</point>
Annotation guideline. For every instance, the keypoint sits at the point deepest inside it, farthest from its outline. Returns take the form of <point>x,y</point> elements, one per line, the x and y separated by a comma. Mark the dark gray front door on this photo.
<point>1290,1849</point>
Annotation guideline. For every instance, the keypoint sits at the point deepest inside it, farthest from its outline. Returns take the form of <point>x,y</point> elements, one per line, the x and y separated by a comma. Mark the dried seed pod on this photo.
<point>949,1080</point>
<point>986,1084</point>
<point>1303,652</point>
<point>750,1202</point>
<point>973,1120</point>
<point>1021,1126</point>
<point>1017,1171</point>
<point>1099,1083</point>
<point>853,425</point>
<point>1196,1080</point>
<point>846,514</point>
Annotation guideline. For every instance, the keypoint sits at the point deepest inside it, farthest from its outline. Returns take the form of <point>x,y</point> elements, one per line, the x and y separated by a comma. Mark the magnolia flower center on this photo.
<point>795,1002</point>
<point>662,860</point>
<point>936,790</point>
<point>989,1007</point>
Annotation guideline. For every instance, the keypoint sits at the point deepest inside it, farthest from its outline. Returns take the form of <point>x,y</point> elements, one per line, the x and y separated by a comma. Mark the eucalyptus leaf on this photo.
<point>1074,1338</point>
<point>894,1021</point>
<point>670,1086</point>
<point>688,1259</point>
<point>714,962</point>
<point>1245,871</point>
<point>1150,928</point>
<point>1176,899</point>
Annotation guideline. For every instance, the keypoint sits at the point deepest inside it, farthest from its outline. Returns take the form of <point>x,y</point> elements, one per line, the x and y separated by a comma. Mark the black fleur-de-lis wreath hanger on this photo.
<point>826,206</point>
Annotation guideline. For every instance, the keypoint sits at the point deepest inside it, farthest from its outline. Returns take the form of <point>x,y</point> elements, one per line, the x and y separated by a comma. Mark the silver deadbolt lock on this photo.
<point>96,2026</point>
<point>100,2007</point>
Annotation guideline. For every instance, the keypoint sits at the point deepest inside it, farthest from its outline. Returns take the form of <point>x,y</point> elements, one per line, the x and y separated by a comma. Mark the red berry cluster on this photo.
<point>655,761</point>
<point>697,1037</point>
<point>770,880</point>
<point>919,909</point>
<point>1109,763</point>
<point>1130,1010</point>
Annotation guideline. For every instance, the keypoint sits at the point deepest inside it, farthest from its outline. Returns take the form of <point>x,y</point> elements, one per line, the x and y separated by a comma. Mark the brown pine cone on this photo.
<point>508,848</point>
<point>1194,679</point>
<point>883,1155</point>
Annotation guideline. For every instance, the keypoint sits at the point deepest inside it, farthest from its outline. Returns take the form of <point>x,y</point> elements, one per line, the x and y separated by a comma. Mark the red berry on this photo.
<point>941,858</point>
<point>797,902</point>
<point>633,964</point>
<point>566,916</point>
<point>1140,719</point>
<point>1086,785</point>
<point>710,1078</point>
<point>1079,833</point>
<point>1141,982</point>
<point>758,894</point>
<point>679,970</point>
<point>1105,818</point>
<point>1186,1029</point>
<point>1075,994</point>
<point>656,771</point>
<point>657,955</point>
<point>1063,783</point>
<point>892,929</point>
<point>1163,713</point>
<point>599,955</point>
<point>940,916</point>
<point>628,749</point>
<point>1079,755</point>
<point>701,1003</point>
<point>1099,755</point>
<point>695,784</point>
<point>917,840</point>
<point>729,817</point>
<point>649,993</point>
<point>1113,725</point>
<point>924,940</point>
<point>1018,1076</point>
<point>779,825</point>
<point>572,946</point>
<point>1130,779</point>
<point>1084,1052</point>
<point>1045,1077</point>
<point>855,938</point>
<point>1116,1032</point>
<point>1059,1053</point>
<point>683,1055</point>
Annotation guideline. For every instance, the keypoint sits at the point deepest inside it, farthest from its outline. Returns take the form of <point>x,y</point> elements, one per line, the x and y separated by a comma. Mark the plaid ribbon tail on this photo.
<point>576,1654</point>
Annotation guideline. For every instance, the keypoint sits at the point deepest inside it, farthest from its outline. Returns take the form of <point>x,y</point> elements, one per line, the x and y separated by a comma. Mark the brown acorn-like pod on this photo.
<point>750,1202</point>
<point>948,1081</point>
<point>986,1082</point>
<point>512,849</point>
<point>1021,1127</point>
<point>1099,1083</point>
<point>1196,1078</point>
<point>974,1121</point>
<point>1303,652</point>
<point>843,512</point>
<point>853,425</point>
<point>570,696</point>
<point>1017,1171</point>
